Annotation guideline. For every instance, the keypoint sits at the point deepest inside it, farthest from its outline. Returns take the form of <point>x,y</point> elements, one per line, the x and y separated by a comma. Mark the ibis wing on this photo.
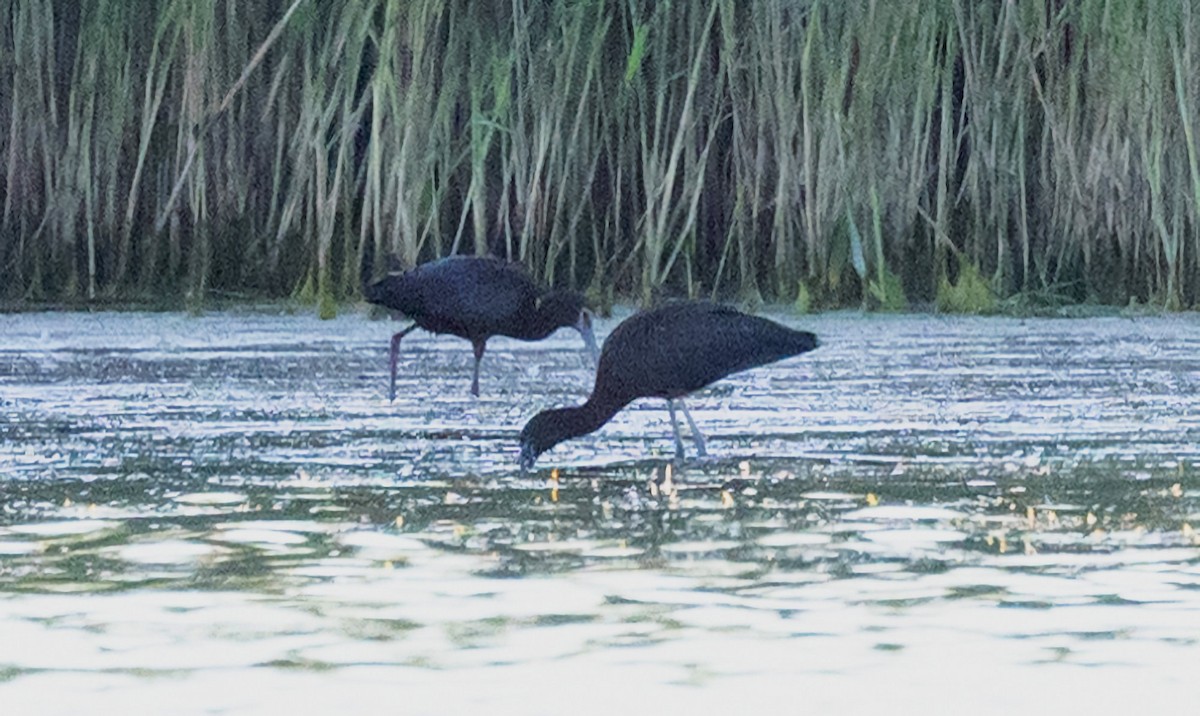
<point>468,295</point>
<point>677,350</point>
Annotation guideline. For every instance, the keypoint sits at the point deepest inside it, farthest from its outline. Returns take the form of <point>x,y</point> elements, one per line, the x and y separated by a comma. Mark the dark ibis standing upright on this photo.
<point>667,353</point>
<point>477,298</point>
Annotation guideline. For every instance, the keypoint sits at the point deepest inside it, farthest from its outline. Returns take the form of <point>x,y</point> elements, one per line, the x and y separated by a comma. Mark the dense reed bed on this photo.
<point>827,152</point>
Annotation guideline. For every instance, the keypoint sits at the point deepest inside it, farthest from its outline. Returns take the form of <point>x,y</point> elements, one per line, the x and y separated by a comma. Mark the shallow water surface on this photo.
<point>225,515</point>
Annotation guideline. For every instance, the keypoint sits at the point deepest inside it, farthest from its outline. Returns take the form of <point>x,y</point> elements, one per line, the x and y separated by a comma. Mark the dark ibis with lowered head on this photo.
<point>477,298</point>
<point>667,352</point>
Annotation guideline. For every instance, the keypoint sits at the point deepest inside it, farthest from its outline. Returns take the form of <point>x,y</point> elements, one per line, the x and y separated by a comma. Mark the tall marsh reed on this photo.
<point>840,152</point>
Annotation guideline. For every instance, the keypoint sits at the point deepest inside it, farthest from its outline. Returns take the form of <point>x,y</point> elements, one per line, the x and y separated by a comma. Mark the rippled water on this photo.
<point>225,515</point>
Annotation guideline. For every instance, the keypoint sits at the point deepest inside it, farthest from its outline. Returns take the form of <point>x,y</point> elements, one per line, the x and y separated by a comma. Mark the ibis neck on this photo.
<point>584,419</point>
<point>540,325</point>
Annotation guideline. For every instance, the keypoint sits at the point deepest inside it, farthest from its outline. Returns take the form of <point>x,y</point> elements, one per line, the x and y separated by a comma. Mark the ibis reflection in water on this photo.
<point>667,352</point>
<point>477,298</point>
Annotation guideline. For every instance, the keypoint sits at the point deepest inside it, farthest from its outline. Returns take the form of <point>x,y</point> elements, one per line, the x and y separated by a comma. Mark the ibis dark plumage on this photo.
<point>666,353</point>
<point>477,298</point>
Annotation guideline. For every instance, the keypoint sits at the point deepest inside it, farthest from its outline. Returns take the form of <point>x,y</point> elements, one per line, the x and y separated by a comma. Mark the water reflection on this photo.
<point>225,515</point>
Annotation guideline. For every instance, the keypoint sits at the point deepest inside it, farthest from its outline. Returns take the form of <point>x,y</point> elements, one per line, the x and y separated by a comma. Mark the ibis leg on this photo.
<point>675,428</point>
<point>697,437</point>
<point>478,346</point>
<point>392,356</point>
